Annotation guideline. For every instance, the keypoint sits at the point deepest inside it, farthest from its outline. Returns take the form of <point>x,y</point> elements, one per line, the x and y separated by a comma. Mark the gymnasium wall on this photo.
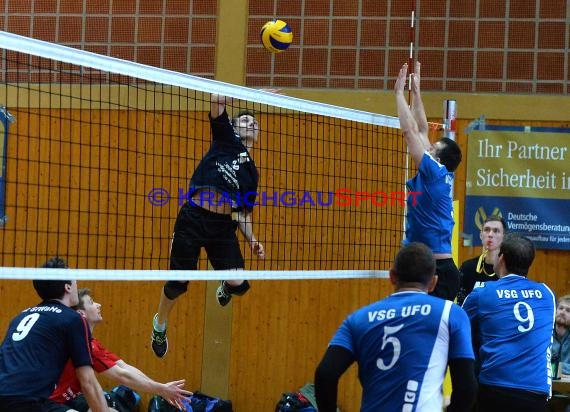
<point>271,340</point>
<point>482,46</point>
<point>174,34</point>
<point>473,46</point>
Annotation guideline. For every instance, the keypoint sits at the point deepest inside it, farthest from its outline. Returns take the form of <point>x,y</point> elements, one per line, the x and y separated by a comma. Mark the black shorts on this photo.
<point>16,404</point>
<point>197,228</point>
<point>447,285</point>
<point>499,399</point>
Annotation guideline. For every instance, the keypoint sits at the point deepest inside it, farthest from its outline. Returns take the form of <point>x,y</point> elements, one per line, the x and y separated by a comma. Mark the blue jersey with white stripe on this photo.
<point>513,319</point>
<point>402,345</point>
<point>430,219</point>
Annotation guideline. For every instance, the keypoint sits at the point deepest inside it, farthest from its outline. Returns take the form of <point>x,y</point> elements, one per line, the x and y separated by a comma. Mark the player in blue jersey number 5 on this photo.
<point>403,345</point>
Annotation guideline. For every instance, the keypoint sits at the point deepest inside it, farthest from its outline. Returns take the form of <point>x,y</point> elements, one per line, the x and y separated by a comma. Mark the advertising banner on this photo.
<point>525,178</point>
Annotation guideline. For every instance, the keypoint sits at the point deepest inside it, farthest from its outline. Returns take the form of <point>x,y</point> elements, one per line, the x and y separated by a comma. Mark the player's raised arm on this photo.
<point>218,104</point>
<point>418,105</point>
<point>132,377</point>
<point>416,136</point>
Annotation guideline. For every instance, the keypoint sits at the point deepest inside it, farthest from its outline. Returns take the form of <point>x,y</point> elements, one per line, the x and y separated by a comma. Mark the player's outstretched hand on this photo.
<point>257,249</point>
<point>174,393</point>
<point>401,80</point>
<point>416,78</point>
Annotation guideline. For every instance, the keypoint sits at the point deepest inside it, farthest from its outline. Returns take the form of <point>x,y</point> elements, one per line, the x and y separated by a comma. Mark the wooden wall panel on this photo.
<point>289,326</point>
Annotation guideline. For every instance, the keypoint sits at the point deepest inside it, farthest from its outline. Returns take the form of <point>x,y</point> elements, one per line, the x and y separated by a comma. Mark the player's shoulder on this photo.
<point>429,162</point>
<point>437,302</point>
<point>95,344</point>
<point>58,319</point>
<point>457,310</point>
<point>436,305</point>
<point>523,282</point>
<point>72,320</point>
<point>390,303</point>
<point>53,309</point>
<point>99,351</point>
<point>543,287</point>
<point>490,285</point>
<point>511,284</point>
<point>478,294</point>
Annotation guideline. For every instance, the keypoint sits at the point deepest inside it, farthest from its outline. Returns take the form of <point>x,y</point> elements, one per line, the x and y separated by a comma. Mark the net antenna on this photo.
<point>97,135</point>
<point>410,71</point>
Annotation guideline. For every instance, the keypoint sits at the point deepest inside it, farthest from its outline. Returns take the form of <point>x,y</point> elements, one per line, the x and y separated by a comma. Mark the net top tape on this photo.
<point>40,48</point>
<point>140,275</point>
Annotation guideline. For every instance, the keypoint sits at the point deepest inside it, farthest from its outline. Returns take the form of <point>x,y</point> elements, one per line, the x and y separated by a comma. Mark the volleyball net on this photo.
<point>98,154</point>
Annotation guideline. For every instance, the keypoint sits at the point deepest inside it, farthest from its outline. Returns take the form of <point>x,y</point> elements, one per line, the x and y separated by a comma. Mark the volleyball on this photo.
<point>276,36</point>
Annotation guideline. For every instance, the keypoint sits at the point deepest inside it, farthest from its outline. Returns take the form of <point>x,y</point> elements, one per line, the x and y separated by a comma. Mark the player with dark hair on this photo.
<point>403,345</point>
<point>430,219</point>
<point>512,321</point>
<point>475,272</point>
<point>38,344</point>
<point>225,181</point>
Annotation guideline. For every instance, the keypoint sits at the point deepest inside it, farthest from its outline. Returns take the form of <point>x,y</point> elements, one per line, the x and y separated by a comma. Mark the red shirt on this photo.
<point>68,387</point>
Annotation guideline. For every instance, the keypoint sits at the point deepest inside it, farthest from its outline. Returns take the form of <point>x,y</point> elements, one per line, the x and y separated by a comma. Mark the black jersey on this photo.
<point>471,279</point>
<point>38,343</point>
<point>227,167</point>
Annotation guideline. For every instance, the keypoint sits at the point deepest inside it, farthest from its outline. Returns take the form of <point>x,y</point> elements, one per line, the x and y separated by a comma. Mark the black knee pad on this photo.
<point>174,288</point>
<point>237,290</point>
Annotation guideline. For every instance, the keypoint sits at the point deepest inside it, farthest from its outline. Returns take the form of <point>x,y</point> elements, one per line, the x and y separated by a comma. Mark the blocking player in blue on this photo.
<point>512,321</point>
<point>430,219</point>
<point>38,344</point>
<point>403,345</point>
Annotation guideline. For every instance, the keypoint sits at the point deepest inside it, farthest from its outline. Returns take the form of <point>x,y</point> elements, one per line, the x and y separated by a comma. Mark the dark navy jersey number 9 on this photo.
<point>24,326</point>
<point>38,343</point>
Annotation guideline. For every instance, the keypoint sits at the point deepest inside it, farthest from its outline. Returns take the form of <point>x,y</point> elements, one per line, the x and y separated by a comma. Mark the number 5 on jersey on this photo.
<point>387,339</point>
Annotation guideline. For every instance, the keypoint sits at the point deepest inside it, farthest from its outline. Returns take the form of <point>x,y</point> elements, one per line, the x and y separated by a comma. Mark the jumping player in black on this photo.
<point>225,181</point>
